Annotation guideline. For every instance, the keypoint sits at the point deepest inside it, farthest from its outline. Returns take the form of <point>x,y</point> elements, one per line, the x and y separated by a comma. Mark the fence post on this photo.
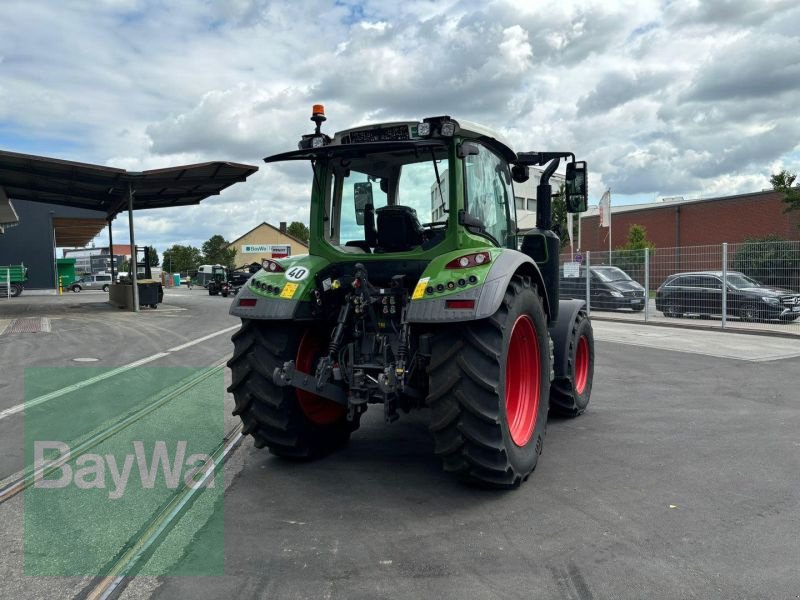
<point>588,281</point>
<point>646,284</point>
<point>8,283</point>
<point>724,284</point>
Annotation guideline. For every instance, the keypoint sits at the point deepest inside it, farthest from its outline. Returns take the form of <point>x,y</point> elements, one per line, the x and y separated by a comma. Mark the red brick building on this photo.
<point>674,223</point>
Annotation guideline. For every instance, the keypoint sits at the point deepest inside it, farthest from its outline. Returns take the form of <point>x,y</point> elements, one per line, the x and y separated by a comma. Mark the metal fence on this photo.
<point>751,285</point>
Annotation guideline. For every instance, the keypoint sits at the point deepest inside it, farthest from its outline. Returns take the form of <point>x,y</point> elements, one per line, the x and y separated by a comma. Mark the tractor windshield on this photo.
<point>387,201</point>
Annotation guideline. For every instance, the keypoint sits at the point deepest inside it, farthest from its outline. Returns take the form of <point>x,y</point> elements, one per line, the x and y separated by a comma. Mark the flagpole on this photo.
<point>609,225</point>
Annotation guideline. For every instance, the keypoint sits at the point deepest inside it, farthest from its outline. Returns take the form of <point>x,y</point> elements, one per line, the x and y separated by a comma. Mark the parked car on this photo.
<point>92,282</point>
<point>701,293</point>
<point>610,287</point>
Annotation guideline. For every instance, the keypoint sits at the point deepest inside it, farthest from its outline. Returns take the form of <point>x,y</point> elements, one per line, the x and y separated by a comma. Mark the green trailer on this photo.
<point>12,279</point>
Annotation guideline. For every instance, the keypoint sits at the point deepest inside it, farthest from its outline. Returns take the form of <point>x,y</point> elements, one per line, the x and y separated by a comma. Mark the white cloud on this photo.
<point>675,98</point>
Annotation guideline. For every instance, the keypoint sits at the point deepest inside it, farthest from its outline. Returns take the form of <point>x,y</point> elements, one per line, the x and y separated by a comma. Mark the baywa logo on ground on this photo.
<point>118,458</point>
<point>106,472</point>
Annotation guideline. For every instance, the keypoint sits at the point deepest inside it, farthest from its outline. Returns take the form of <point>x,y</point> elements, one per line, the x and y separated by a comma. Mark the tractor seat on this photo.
<point>398,229</point>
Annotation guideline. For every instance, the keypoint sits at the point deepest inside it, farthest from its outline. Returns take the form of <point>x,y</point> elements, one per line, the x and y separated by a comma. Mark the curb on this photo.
<point>762,332</point>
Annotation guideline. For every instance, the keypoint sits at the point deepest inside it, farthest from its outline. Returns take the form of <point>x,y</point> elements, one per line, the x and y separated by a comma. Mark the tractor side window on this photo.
<point>488,192</point>
<point>358,190</point>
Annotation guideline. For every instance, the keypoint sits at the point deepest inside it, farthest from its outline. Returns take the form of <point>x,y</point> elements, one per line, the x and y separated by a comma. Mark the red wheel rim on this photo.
<point>522,381</point>
<point>317,409</point>
<point>582,365</point>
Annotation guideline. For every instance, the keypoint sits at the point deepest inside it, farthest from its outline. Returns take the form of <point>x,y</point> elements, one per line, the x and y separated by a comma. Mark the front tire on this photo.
<point>489,383</point>
<point>569,395</point>
<point>16,290</point>
<point>749,313</point>
<point>291,423</point>
<point>76,288</point>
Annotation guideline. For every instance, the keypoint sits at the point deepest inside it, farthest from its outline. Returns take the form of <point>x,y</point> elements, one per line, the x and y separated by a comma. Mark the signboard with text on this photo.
<point>271,250</point>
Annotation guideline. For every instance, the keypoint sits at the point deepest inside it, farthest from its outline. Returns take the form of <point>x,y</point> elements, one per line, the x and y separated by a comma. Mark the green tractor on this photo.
<point>218,284</point>
<point>417,292</point>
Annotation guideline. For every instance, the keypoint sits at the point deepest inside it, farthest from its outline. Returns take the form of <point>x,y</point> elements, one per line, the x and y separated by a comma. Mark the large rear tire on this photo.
<point>489,382</point>
<point>290,422</point>
<point>569,394</point>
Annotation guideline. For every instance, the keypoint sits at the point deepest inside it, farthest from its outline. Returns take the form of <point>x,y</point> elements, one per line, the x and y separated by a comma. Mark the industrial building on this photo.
<point>676,222</point>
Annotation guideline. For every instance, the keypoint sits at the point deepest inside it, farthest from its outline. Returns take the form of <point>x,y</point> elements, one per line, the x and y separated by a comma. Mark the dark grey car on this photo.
<point>610,287</point>
<point>701,293</point>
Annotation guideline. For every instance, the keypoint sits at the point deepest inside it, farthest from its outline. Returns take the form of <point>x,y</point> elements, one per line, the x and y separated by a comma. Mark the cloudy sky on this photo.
<point>673,98</point>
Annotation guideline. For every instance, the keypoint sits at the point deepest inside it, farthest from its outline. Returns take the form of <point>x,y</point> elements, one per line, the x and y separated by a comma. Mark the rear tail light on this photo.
<point>459,304</point>
<point>247,302</point>
<point>271,266</point>
<point>469,260</point>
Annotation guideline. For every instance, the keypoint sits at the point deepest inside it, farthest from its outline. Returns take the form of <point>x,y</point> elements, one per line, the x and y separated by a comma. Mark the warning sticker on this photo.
<point>288,290</point>
<point>419,291</point>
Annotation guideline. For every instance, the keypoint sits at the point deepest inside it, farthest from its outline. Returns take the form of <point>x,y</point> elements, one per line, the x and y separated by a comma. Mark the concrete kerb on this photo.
<point>761,332</point>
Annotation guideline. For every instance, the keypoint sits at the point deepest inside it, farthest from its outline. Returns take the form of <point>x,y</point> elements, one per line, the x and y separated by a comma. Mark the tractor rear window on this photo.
<point>387,202</point>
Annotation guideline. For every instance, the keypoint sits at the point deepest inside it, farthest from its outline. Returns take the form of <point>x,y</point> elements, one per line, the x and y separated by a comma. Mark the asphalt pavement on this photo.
<point>680,481</point>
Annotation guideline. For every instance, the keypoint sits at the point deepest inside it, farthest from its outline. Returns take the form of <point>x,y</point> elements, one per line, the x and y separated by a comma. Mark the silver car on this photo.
<point>92,282</point>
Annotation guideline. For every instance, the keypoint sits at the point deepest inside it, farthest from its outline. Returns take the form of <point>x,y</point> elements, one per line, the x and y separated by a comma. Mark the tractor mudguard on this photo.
<point>504,267</point>
<point>560,331</point>
<point>264,308</point>
<point>281,294</point>
<point>505,264</point>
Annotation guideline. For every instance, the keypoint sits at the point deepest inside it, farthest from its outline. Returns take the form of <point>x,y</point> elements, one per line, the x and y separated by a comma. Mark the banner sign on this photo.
<point>274,250</point>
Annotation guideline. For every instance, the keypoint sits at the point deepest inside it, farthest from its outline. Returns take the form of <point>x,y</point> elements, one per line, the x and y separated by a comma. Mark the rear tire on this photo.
<point>16,290</point>
<point>282,418</point>
<point>76,288</point>
<point>672,309</point>
<point>489,384</point>
<point>569,395</point>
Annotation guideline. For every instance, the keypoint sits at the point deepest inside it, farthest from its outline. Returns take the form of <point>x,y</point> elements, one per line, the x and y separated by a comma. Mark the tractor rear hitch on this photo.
<point>288,375</point>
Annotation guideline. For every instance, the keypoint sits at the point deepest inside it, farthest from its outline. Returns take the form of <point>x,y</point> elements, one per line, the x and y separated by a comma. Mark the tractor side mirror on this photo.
<point>362,195</point>
<point>520,173</point>
<point>576,187</point>
<point>466,149</point>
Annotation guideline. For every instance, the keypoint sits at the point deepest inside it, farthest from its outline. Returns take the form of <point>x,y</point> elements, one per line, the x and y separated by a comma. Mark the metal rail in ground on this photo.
<point>162,522</point>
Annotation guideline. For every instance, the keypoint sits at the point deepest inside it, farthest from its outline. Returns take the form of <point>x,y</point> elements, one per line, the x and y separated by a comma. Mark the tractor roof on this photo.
<point>465,129</point>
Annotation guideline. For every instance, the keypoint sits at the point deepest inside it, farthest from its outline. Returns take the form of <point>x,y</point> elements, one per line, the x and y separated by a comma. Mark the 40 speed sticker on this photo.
<point>297,273</point>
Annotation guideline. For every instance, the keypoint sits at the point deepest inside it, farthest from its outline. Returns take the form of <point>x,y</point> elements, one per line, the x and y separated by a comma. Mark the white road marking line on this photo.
<point>76,386</point>
<point>203,339</point>
<point>86,382</point>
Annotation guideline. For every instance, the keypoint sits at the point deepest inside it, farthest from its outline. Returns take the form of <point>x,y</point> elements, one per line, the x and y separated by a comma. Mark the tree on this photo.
<point>783,182</point>
<point>637,239</point>
<point>769,260</point>
<point>181,259</point>
<point>153,255</point>
<point>217,252</point>
<point>559,208</point>
<point>298,230</point>
<point>630,257</point>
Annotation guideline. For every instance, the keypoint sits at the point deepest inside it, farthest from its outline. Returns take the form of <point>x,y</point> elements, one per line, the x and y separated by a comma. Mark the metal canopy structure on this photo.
<point>76,232</point>
<point>95,187</point>
<point>111,190</point>
<point>8,216</point>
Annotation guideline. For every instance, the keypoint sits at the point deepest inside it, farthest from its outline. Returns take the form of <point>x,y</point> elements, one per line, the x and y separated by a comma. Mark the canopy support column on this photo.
<point>111,251</point>
<point>134,259</point>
